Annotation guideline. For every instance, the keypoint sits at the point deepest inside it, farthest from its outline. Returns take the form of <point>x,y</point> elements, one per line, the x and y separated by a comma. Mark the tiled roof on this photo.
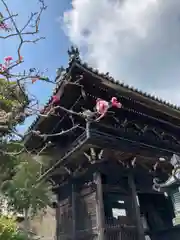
<point>75,60</point>
<point>126,86</point>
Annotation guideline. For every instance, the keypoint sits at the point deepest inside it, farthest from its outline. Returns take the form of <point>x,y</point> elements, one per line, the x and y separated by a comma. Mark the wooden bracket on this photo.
<point>155,166</point>
<point>133,162</point>
<point>68,170</point>
<point>94,155</point>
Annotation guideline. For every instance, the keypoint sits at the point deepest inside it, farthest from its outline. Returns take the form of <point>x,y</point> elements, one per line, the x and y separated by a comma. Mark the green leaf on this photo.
<point>9,229</point>
<point>22,190</point>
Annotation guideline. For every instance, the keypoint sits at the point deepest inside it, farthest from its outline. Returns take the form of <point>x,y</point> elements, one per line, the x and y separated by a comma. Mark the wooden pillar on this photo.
<point>73,202</point>
<point>136,208</point>
<point>99,206</point>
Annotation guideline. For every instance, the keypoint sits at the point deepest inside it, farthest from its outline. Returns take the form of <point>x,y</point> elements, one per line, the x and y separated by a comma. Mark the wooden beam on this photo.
<point>136,207</point>
<point>116,189</point>
<point>99,206</point>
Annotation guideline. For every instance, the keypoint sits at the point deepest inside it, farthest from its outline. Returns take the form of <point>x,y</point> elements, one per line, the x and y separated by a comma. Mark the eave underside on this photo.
<point>115,151</point>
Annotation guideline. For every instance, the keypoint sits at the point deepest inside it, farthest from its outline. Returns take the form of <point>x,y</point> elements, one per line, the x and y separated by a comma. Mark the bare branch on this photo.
<point>34,41</point>
<point>37,133</point>
<point>15,26</point>
<point>8,36</point>
<point>28,22</point>
<point>21,32</point>
<point>12,16</point>
<point>58,134</point>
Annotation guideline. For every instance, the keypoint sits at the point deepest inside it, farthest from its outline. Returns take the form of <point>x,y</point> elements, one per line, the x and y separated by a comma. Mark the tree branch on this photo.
<point>21,32</point>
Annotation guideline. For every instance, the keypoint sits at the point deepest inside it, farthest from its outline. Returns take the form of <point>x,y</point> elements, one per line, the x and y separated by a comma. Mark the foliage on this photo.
<point>9,154</point>
<point>13,101</point>
<point>22,192</point>
<point>9,230</point>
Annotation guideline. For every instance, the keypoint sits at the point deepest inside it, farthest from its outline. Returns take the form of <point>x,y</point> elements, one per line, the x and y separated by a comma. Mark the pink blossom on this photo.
<point>115,102</point>
<point>3,26</point>
<point>34,79</point>
<point>20,59</point>
<point>55,99</point>
<point>101,106</point>
<point>8,59</point>
<point>3,68</point>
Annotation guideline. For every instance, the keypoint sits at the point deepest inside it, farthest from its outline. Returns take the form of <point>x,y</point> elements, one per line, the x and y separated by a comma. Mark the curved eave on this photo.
<point>142,97</point>
<point>133,93</point>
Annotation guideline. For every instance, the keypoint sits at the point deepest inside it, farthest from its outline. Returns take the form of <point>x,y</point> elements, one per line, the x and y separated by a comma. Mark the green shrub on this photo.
<point>9,230</point>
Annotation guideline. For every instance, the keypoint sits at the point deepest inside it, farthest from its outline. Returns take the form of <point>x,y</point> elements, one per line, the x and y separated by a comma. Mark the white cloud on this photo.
<point>137,41</point>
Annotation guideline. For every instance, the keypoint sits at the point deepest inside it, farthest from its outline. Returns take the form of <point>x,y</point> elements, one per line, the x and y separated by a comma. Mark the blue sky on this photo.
<point>50,53</point>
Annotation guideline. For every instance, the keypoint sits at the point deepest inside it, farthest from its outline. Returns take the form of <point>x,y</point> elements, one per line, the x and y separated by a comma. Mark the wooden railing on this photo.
<point>112,232</point>
<point>87,229</point>
<point>119,232</point>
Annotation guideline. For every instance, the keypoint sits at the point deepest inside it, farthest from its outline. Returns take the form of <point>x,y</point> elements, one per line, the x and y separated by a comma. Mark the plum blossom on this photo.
<point>34,79</point>
<point>115,103</point>
<point>5,65</point>
<point>3,68</point>
<point>4,27</point>
<point>102,106</point>
<point>20,59</point>
<point>8,59</point>
<point>55,99</point>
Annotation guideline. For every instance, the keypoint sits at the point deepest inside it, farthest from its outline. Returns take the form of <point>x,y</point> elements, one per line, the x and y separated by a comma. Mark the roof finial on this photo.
<point>73,53</point>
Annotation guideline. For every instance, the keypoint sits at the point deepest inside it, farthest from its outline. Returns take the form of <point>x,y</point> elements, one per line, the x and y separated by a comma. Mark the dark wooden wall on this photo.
<point>82,207</point>
<point>85,212</point>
